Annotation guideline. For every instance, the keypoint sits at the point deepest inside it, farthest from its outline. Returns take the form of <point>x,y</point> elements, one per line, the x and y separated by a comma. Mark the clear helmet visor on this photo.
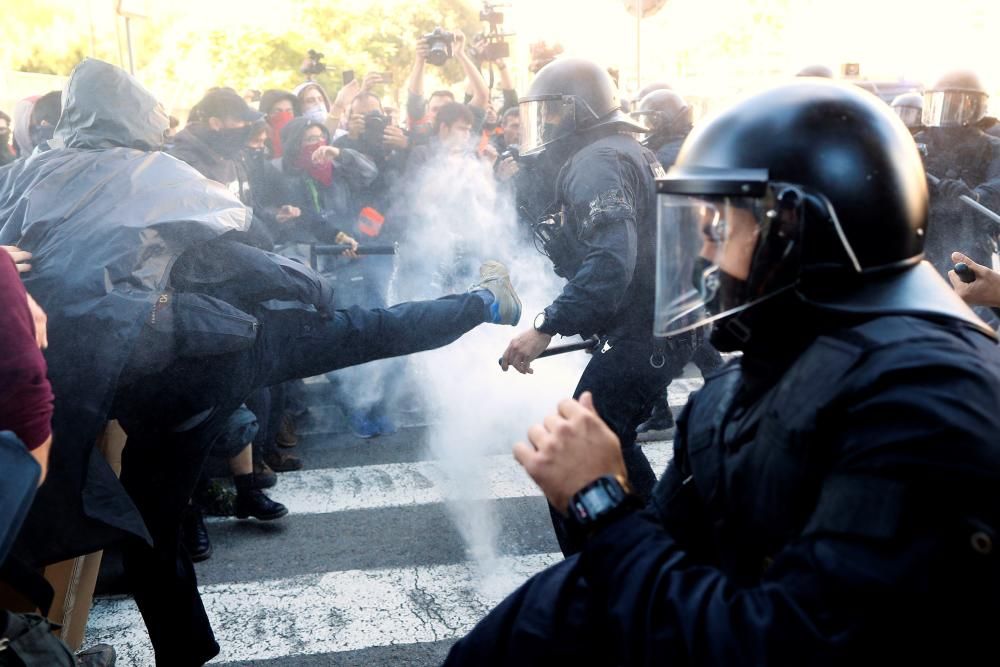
<point>546,120</point>
<point>909,115</point>
<point>645,118</point>
<point>953,108</point>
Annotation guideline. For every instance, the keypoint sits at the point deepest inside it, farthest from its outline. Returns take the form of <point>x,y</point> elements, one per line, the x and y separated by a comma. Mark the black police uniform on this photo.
<point>607,197</point>
<point>834,495</point>
<point>838,508</point>
<point>973,156</point>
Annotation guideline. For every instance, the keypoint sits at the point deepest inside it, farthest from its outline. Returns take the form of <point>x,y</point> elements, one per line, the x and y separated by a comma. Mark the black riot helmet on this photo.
<point>569,96</point>
<point>813,190</point>
<point>958,99</point>
<point>909,107</point>
<point>657,85</point>
<point>665,113</point>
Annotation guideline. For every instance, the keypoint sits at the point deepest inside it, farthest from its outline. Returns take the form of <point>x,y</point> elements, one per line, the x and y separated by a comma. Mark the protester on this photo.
<point>168,326</point>
<point>279,108</point>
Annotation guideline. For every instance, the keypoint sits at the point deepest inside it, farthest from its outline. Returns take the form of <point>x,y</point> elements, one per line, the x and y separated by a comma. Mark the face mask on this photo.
<point>229,141</point>
<point>322,173</point>
<point>315,114</point>
<point>259,154</point>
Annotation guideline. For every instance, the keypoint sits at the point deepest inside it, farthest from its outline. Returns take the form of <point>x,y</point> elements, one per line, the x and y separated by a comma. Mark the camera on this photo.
<point>313,63</point>
<point>512,151</point>
<point>491,44</point>
<point>374,134</point>
<point>439,46</point>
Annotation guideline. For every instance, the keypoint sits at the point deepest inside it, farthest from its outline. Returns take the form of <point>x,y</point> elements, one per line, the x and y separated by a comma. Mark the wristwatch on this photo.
<point>539,324</point>
<point>601,501</point>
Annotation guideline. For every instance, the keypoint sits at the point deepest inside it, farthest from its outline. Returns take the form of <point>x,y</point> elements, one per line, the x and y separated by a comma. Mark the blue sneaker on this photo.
<point>361,425</point>
<point>495,279</point>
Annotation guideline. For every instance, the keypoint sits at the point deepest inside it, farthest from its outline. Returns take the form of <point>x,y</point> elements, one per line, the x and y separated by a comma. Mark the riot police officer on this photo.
<point>834,495</point>
<point>909,107</point>
<point>600,235</point>
<point>967,162</point>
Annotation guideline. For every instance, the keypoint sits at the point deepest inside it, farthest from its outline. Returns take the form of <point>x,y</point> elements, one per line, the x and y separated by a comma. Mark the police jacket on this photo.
<point>844,511</point>
<point>973,156</point>
<point>667,147</point>
<point>606,198</point>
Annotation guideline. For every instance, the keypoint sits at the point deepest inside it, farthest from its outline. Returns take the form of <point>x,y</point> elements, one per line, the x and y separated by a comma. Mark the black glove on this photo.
<point>955,188</point>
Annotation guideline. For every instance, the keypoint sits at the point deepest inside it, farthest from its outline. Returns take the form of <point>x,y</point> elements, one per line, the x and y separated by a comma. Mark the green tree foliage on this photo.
<point>179,54</point>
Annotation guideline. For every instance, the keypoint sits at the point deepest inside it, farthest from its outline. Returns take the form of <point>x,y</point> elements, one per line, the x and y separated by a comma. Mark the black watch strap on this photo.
<point>601,501</point>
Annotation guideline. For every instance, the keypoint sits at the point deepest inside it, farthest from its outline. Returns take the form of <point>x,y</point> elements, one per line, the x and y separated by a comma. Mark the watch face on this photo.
<point>597,501</point>
<point>540,320</point>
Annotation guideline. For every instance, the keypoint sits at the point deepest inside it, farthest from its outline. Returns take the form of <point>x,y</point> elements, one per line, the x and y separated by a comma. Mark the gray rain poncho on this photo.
<point>105,216</point>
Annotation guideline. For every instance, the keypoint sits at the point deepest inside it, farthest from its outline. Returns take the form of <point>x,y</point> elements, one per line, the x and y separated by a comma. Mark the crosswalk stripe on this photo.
<point>332,612</point>
<point>404,484</point>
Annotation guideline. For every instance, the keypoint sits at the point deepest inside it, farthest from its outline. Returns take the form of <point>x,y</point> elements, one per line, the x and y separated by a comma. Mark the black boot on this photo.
<point>659,426</point>
<point>194,534</point>
<point>251,502</point>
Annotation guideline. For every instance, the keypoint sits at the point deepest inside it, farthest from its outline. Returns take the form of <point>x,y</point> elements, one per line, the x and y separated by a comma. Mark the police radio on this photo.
<point>550,239</point>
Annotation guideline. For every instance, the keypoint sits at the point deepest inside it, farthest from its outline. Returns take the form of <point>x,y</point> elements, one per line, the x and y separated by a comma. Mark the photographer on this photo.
<point>371,133</point>
<point>422,115</point>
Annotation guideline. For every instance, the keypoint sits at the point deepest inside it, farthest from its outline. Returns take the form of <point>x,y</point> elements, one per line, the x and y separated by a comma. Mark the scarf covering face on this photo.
<point>321,173</point>
<point>277,122</point>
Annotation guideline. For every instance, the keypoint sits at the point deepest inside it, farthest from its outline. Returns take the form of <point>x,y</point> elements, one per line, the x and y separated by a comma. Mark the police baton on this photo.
<point>969,201</point>
<point>317,249</point>
<point>590,344</point>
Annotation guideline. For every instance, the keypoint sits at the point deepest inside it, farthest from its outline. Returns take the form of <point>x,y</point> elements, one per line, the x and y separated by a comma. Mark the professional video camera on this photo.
<point>313,64</point>
<point>491,45</point>
<point>439,46</point>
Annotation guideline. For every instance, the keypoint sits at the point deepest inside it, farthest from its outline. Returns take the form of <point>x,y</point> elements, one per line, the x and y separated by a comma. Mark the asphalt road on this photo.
<point>370,567</point>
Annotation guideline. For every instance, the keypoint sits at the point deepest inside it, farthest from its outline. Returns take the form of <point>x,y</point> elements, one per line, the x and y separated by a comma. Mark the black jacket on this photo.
<point>973,156</point>
<point>606,193</point>
<point>840,509</point>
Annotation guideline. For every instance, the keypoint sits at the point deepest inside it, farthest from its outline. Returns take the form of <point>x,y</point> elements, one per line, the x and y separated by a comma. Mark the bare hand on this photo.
<point>356,125</point>
<point>20,257</point>
<point>347,94</point>
<point>507,169</point>
<point>983,291</point>
<point>287,212</point>
<point>394,137</point>
<point>41,320</point>
<point>571,449</point>
<point>459,42</point>
<point>489,154</point>
<point>325,154</point>
<point>342,239</point>
<point>422,50</point>
<point>371,80</point>
<point>523,350</point>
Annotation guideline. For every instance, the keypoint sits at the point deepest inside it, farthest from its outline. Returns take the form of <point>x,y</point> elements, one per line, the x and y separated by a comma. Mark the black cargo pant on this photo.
<point>173,417</point>
<point>627,376</point>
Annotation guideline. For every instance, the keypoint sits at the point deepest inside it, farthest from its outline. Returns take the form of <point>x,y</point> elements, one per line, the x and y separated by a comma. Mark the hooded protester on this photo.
<point>314,103</point>
<point>160,319</point>
<point>324,182</point>
<point>279,108</point>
